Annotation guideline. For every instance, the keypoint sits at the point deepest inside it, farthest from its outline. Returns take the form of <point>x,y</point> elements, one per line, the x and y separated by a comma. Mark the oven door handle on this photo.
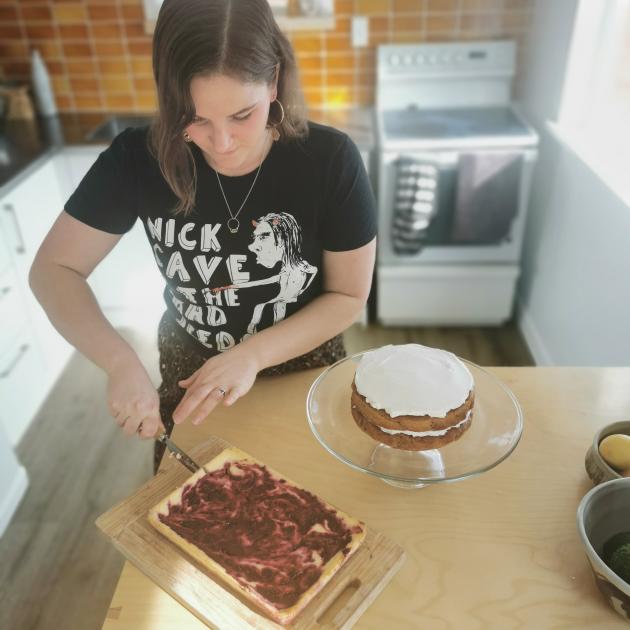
<point>442,159</point>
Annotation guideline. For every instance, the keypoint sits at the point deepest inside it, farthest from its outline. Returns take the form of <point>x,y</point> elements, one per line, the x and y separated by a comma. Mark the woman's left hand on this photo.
<point>223,378</point>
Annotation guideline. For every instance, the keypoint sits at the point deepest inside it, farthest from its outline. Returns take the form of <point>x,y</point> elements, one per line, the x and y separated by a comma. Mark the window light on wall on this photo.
<point>594,116</point>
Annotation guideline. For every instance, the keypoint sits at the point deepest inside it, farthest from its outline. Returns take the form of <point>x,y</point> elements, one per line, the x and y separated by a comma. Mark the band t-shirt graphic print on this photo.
<point>221,287</point>
<point>205,315</point>
<point>277,240</point>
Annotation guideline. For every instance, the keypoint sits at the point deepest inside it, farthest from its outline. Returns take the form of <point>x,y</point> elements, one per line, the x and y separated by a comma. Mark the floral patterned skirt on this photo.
<point>178,361</point>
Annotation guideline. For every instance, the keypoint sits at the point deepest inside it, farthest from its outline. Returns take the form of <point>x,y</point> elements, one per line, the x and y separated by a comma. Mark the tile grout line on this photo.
<point>62,55</point>
<point>125,43</point>
<point>95,67</point>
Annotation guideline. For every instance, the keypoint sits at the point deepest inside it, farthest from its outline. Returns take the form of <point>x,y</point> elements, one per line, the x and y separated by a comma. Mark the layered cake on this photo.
<point>273,542</point>
<point>412,397</point>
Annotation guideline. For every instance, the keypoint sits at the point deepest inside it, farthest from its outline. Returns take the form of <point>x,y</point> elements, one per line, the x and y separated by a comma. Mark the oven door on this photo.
<point>477,213</point>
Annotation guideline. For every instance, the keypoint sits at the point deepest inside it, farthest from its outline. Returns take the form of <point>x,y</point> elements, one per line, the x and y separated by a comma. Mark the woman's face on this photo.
<point>230,123</point>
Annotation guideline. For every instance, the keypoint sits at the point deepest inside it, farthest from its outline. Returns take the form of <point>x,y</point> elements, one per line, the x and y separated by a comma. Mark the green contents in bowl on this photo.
<point>616,554</point>
<point>620,562</point>
<point>612,544</point>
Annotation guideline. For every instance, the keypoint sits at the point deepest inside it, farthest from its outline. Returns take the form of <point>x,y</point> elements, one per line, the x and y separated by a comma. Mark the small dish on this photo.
<point>596,468</point>
<point>603,512</point>
<point>494,433</point>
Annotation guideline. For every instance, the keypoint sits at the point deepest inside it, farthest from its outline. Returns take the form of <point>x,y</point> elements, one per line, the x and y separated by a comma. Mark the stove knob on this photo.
<point>432,59</point>
<point>394,60</point>
<point>419,59</point>
<point>407,60</point>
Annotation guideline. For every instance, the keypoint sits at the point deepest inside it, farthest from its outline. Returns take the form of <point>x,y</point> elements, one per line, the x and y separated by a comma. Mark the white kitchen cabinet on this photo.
<point>28,211</point>
<point>20,396</point>
<point>25,377</point>
<point>71,164</point>
<point>127,283</point>
<point>13,481</point>
<point>24,383</point>
<point>26,214</point>
<point>14,313</point>
<point>5,258</point>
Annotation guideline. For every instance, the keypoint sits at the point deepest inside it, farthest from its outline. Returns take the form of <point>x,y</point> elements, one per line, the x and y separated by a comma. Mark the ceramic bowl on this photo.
<point>597,469</point>
<point>603,512</point>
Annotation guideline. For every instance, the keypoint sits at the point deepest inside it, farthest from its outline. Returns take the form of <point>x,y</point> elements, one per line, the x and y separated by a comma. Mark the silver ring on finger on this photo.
<point>221,391</point>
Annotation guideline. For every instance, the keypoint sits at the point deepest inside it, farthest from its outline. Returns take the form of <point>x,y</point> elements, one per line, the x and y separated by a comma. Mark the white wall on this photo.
<point>574,294</point>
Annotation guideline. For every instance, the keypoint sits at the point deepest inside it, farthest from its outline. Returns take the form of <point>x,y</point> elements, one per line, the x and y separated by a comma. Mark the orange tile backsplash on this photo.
<point>99,56</point>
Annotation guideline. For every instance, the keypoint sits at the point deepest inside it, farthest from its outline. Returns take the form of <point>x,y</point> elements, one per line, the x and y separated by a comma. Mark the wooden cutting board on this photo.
<point>339,604</point>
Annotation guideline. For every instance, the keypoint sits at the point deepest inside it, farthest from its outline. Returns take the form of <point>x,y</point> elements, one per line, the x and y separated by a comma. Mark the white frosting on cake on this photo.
<point>413,380</point>
<point>420,434</point>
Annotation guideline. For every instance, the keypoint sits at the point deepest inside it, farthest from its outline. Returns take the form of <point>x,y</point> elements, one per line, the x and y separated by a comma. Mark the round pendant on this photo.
<point>233,225</point>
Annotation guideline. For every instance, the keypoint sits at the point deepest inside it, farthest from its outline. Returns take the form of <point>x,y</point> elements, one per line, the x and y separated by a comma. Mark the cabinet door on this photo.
<point>5,258</point>
<point>129,279</point>
<point>71,165</point>
<point>13,481</point>
<point>28,211</point>
<point>127,283</point>
<point>24,383</point>
<point>26,215</point>
<point>14,314</point>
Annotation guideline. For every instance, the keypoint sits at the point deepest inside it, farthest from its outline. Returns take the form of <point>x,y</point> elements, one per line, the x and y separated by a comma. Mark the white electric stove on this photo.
<point>455,165</point>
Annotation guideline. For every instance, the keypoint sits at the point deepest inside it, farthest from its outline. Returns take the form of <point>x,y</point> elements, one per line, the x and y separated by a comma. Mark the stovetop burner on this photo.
<point>414,123</point>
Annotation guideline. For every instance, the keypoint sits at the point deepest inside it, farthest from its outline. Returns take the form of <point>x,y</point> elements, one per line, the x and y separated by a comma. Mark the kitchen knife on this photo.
<point>181,456</point>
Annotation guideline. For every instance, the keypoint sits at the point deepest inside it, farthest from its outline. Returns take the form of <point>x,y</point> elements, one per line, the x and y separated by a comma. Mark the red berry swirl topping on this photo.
<point>267,534</point>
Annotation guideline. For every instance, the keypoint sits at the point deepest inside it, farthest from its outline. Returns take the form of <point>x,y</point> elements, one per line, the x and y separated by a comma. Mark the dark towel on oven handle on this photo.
<point>415,204</point>
<point>487,196</point>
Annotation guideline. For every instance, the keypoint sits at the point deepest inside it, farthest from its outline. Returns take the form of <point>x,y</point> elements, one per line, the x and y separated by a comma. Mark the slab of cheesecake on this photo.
<point>272,541</point>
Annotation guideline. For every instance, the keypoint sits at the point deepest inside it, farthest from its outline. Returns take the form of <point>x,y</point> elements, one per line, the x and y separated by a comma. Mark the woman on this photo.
<point>229,150</point>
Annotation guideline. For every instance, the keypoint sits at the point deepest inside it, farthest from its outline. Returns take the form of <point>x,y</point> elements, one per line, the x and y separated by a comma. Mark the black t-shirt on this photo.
<point>310,195</point>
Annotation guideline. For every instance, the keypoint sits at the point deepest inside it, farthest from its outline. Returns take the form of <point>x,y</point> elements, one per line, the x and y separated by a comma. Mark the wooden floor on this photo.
<point>484,346</point>
<point>56,570</point>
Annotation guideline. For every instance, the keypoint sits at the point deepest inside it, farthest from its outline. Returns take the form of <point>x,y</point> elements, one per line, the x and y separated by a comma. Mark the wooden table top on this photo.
<point>500,550</point>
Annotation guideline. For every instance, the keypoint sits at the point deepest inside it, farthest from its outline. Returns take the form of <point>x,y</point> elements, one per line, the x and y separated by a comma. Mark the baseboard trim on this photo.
<point>13,498</point>
<point>533,338</point>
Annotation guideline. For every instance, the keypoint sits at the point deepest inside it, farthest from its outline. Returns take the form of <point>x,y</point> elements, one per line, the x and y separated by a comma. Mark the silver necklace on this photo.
<point>233,223</point>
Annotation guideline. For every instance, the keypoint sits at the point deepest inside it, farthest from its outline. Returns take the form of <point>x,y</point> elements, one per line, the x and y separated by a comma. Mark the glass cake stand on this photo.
<point>495,430</point>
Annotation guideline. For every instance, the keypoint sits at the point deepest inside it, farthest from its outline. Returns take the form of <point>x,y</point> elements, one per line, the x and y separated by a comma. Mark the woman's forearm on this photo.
<point>324,317</point>
<point>74,311</point>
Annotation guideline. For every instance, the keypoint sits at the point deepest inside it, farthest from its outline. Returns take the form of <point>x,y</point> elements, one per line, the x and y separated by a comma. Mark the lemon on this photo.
<point>615,450</point>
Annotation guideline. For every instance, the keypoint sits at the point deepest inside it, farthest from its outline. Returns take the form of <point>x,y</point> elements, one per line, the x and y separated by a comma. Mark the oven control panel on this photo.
<point>447,58</point>
<point>446,74</point>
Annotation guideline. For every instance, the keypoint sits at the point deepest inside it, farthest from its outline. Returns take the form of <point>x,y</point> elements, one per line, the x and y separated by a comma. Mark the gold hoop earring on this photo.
<point>282,111</point>
<point>275,134</point>
<point>187,138</point>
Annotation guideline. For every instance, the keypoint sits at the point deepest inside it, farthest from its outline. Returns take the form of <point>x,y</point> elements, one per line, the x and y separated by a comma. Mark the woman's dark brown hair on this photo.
<point>237,38</point>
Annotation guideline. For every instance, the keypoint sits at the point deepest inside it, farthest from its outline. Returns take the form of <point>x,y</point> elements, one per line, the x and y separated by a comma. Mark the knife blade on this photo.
<point>181,456</point>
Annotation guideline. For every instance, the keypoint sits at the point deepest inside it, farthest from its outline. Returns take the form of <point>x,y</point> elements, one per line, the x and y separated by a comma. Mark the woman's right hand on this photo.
<point>133,401</point>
